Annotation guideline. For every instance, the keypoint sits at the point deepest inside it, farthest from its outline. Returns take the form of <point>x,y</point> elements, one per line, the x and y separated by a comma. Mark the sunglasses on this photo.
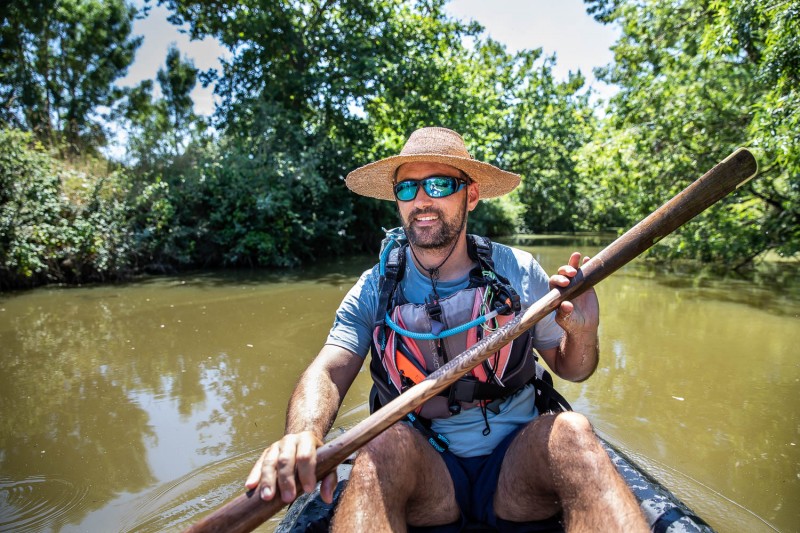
<point>435,187</point>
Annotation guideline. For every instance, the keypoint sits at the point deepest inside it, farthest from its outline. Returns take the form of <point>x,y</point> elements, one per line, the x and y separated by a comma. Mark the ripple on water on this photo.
<point>36,503</point>
<point>174,505</point>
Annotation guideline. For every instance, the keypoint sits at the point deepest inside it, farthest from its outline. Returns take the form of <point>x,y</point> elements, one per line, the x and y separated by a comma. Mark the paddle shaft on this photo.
<point>247,511</point>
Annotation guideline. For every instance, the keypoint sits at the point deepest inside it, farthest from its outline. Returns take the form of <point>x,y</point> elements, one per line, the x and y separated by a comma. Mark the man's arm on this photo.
<point>311,412</point>
<point>577,356</point>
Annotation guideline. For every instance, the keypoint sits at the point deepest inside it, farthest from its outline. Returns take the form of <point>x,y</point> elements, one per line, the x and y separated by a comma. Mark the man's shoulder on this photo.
<point>367,285</point>
<point>508,255</point>
<point>371,275</point>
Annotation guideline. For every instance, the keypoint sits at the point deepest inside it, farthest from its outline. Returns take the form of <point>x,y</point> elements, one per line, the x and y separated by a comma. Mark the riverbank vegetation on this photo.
<point>311,90</point>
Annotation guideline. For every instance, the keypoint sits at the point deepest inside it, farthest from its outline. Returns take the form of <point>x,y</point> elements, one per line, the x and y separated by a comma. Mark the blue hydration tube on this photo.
<point>446,333</point>
<point>393,238</point>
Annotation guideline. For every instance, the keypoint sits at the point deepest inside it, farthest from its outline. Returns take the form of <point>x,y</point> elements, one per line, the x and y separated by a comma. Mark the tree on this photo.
<point>697,79</point>
<point>294,98</point>
<point>316,88</point>
<point>177,81</point>
<point>512,113</point>
<point>160,130</point>
<point>548,123</point>
<point>58,59</point>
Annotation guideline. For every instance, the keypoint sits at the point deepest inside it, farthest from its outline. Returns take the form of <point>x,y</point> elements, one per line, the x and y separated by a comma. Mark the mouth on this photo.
<point>426,218</point>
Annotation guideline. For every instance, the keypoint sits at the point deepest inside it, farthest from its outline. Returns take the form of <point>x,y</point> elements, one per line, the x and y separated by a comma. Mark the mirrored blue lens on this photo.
<point>406,190</point>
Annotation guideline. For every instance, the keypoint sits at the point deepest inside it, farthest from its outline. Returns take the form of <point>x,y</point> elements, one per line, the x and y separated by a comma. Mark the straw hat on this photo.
<point>430,145</point>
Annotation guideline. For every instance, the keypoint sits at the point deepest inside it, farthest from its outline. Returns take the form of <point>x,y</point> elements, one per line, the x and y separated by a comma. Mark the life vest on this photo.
<point>412,340</point>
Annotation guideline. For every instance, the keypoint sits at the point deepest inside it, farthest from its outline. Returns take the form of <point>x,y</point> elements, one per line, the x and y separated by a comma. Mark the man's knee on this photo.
<point>573,444</point>
<point>573,419</point>
<point>572,425</point>
<point>391,449</point>
<point>556,430</point>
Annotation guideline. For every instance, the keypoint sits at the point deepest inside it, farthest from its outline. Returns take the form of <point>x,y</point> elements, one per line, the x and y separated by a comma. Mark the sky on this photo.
<point>560,27</point>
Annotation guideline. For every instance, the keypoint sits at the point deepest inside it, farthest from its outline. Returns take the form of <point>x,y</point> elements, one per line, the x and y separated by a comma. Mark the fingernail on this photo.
<point>266,493</point>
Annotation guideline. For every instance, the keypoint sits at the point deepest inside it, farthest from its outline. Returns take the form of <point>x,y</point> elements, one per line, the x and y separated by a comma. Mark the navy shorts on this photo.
<point>475,482</point>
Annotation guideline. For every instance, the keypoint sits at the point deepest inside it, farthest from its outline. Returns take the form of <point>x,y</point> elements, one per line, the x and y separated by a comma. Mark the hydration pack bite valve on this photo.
<point>506,301</point>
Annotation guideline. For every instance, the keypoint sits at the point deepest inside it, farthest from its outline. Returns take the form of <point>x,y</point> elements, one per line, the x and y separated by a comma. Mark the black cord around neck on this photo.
<point>433,273</point>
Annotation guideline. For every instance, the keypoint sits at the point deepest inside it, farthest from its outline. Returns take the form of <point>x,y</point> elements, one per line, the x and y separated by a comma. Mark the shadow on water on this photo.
<point>769,286</point>
<point>772,286</point>
<point>585,240</point>
<point>331,271</point>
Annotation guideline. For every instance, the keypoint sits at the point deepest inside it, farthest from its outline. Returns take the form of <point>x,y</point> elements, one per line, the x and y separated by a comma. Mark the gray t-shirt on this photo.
<point>354,324</point>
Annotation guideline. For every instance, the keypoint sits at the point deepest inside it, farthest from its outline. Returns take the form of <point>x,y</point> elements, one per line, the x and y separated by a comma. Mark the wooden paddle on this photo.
<point>247,511</point>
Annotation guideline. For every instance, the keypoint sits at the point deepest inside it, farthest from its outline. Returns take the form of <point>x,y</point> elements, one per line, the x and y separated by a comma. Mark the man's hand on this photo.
<point>576,358</point>
<point>312,410</point>
<point>581,314</point>
<point>294,455</point>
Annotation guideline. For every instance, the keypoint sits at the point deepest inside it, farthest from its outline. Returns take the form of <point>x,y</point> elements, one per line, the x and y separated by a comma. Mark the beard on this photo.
<point>438,237</point>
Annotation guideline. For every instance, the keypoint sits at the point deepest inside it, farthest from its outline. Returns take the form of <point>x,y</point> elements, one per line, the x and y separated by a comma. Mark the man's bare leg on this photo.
<point>557,463</point>
<point>397,478</point>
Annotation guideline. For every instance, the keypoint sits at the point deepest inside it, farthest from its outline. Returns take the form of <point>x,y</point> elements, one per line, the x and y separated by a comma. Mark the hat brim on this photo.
<point>375,180</point>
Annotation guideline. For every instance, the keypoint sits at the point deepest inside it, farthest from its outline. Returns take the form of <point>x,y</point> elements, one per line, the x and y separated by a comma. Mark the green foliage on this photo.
<point>313,89</point>
<point>57,224</point>
<point>546,127</point>
<point>161,131</point>
<point>58,59</point>
<point>295,117</point>
<point>497,217</point>
<point>177,81</point>
<point>697,79</point>
<point>511,112</point>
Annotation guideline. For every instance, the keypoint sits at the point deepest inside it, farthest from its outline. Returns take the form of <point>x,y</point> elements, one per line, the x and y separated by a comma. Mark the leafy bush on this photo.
<point>57,224</point>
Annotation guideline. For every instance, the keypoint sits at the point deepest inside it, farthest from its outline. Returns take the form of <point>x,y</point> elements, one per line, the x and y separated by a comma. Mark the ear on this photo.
<point>473,195</point>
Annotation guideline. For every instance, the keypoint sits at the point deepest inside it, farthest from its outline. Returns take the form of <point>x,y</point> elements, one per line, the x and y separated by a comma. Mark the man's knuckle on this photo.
<point>305,455</point>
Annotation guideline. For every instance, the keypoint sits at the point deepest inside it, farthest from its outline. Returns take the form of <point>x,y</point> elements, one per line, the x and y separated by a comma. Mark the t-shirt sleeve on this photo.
<point>546,333</point>
<point>528,277</point>
<point>354,320</point>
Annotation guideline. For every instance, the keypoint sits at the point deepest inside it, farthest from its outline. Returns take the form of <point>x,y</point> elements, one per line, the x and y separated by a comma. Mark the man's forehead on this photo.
<point>423,169</point>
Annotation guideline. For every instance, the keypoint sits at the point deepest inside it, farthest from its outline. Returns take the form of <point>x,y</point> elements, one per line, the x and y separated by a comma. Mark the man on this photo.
<point>481,456</point>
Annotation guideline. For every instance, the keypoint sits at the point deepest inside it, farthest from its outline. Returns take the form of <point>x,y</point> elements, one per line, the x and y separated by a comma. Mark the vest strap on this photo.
<point>392,272</point>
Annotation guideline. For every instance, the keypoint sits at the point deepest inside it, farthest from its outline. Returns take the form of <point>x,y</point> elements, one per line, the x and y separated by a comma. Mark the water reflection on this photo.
<point>141,406</point>
<point>117,389</point>
<point>60,402</point>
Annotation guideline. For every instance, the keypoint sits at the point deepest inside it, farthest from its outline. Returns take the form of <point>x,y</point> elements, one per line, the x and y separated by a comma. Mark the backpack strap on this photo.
<point>548,399</point>
<point>393,269</point>
<point>480,249</point>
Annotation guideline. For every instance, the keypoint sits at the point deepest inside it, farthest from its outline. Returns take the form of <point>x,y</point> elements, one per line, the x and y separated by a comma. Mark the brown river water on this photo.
<point>141,406</point>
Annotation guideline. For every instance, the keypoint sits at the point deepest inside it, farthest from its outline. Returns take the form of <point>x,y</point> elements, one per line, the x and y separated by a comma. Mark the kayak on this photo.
<point>664,512</point>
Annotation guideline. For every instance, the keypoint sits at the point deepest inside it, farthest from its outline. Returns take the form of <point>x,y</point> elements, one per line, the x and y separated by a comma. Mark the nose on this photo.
<point>422,200</point>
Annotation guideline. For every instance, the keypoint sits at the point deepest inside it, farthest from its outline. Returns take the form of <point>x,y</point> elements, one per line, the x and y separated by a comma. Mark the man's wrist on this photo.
<point>582,334</point>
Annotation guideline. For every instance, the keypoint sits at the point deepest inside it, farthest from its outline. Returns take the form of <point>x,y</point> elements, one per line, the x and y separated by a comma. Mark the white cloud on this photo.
<point>557,26</point>
<point>158,35</point>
